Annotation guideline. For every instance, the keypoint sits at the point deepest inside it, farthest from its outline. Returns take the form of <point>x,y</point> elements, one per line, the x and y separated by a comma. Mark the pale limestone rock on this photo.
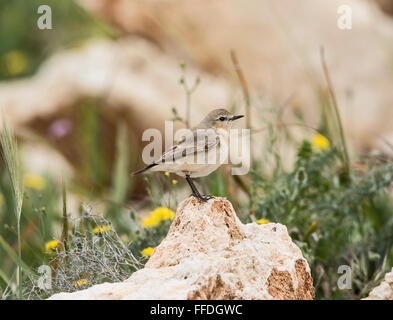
<point>384,291</point>
<point>209,254</point>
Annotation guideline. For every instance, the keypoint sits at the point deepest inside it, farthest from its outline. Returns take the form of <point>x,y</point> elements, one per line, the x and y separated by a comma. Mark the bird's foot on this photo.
<point>204,197</point>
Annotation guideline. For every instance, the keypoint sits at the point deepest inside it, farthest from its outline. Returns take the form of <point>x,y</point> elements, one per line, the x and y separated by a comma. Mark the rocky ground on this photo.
<point>209,254</point>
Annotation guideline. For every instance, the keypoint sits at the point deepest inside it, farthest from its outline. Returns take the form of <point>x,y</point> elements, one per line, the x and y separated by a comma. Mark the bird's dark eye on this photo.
<point>222,118</point>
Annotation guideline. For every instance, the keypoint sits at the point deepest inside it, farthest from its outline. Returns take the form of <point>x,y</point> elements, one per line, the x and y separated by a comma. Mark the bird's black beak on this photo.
<point>236,117</point>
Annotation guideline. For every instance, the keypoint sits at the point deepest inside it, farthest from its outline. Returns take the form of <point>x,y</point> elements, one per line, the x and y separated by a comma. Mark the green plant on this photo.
<point>333,221</point>
<point>95,254</point>
<point>13,167</point>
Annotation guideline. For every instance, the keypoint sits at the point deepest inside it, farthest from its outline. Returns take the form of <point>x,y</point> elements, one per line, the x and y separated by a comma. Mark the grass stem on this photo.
<point>345,153</point>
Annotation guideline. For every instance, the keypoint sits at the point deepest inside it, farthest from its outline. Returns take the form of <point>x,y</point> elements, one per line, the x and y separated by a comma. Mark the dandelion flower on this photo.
<point>147,251</point>
<point>101,229</point>
<point>166,173</point>
<point>262,221</point>
<point>158,215</point>
<point>320,142</point>
<point>174,181</point>
<point>162,213</point>
<point>150,222</point>
<point>34,181</point>
<point>80,283</point>
<point>50,246</point>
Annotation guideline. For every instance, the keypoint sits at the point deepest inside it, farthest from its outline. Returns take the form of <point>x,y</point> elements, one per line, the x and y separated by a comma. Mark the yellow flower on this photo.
<point>174,181</point>
<point>15,62</point>
<point>80,283</point>
<point>50,246</point>
<point>147,251</point>
<point>158,215</point>
<point>166,173</point>
<point>101,229</point>
<point>150,222</point>
<point>34,181</point>
<point>1,199</point>
<point>262,221</point>
<point>162,213</point>
<point>319,141</point>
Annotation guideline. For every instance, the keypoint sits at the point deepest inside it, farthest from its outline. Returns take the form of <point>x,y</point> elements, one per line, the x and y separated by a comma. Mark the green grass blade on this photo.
<point>11,159</point>
<point>12,163</point>
<point>8,249</point>
<point>4,277</point>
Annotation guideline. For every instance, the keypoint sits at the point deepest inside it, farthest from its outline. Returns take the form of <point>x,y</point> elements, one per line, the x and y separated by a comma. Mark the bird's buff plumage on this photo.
<point>199,152</point>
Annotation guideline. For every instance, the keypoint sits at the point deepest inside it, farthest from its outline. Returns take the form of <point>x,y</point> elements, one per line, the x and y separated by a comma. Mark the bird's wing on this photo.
<point>189,148</point>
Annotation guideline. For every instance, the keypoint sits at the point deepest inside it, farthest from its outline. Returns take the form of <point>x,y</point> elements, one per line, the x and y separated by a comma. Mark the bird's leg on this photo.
<point>195,191</point>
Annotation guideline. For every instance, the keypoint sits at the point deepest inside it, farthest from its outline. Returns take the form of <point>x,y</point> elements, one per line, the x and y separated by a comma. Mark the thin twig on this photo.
<point>287,124</point>
<point>244,85</point>
<point>246,95</point>
<point>189,91</point>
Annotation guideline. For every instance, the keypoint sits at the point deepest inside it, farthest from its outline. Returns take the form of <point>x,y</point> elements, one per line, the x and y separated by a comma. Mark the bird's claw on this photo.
<point>204,197</point>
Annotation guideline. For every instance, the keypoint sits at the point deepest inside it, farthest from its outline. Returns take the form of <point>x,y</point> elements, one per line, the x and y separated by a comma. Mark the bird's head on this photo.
<point>219,118</point>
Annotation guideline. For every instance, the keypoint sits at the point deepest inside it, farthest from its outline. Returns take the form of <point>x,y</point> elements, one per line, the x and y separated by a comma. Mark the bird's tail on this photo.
<point>144,169</point>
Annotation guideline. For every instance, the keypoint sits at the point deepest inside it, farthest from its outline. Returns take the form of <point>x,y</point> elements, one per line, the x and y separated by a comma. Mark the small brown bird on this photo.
<point>180,158</point>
